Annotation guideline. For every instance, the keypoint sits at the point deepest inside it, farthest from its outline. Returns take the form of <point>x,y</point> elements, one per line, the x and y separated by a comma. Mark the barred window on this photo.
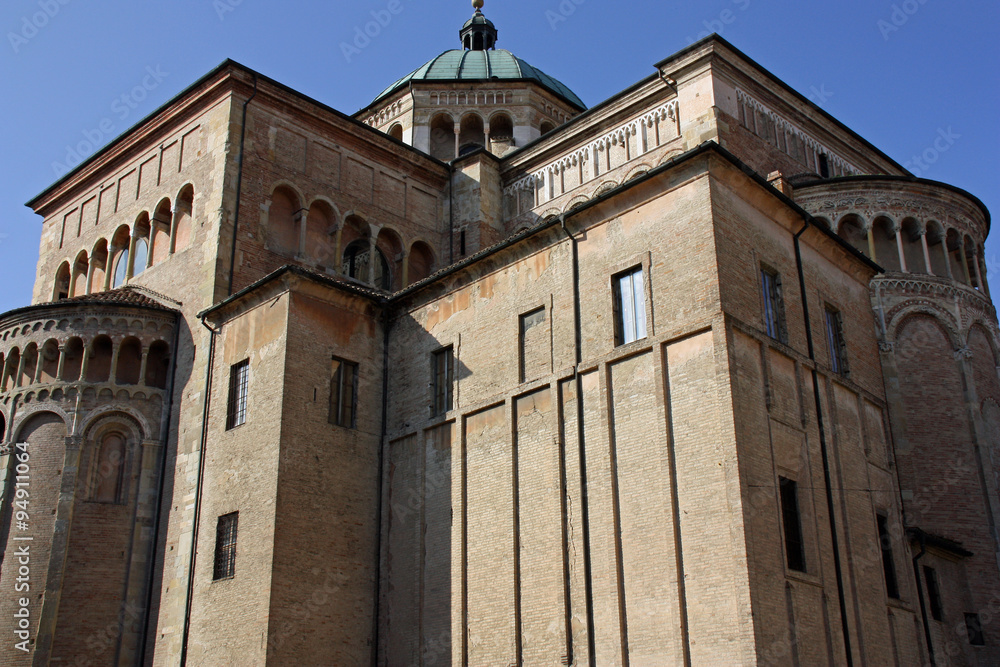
<point>236,412</point>
<point>774,304</point>
<point>792,523</point>
<point>835,340</point>
<point>343,393</point>
<point>443,370</point>
<point>630,306</point>
<point>225,546</point>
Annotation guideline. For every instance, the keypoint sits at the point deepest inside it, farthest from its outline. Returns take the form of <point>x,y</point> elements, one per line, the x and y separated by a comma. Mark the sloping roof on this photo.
<point>468,65</point>
<point>130,296</point>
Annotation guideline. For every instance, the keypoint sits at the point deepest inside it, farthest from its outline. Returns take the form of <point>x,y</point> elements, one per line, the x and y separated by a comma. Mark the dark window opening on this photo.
<point>343,393</point>
<point>225,546</point>
<point>835,341</point>
<point>974,626</point>
<point>888,564</point>
<point>236,412</point>
<point>933,593</point>
<point>791,520</point>
<point>774,305</point>
<point>443,369</point>
<point>629,305</point>
<point>357,264</point>
<point>461,242</point>
<point>824,165</point>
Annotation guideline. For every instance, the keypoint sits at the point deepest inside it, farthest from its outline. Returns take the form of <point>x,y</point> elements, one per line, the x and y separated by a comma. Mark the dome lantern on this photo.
<point>478,33</point>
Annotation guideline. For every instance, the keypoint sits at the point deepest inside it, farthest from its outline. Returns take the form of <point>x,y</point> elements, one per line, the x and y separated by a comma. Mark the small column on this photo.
<point>965,264</point>
<point>84,365</point>
<point>142,366</point>
<point>301,219</point>
<point>20,370</point>
<point>62,362</point>
<point>113,373</point>
<point>339,256</point>
<point>927,251</point>
<point>109,266</point>
<point>72,279</point>
<point>39,365</point>
<point>947,258</point>
<point>90,275</point>
<point>871,244</point>
<point>975,265</point>
<point>372,256</point>
<point>458,132</point>
<point>986,279</point>
<point>174,214</point>
<point>486,132</point>
<point>406,268</point>
<point>899,248</point>
<point>131,258</point>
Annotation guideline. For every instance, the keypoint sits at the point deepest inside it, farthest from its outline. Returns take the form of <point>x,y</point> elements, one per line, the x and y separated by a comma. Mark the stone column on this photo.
<point>927,251</point>
<point>372,258</point>
<point>899,249</point>
<point>458,132</point>
<point>62,362</point>
<point>871,245</point>
<point>947,258</point>
<point>174,214</point>
<point>975,265</point>
<point>130,268</point>
<point>113,373</point>
<point>142,366</point>
<point>90,275</point>
<point>109,266</point>
<point>20,369</point>
<point>965,264</point>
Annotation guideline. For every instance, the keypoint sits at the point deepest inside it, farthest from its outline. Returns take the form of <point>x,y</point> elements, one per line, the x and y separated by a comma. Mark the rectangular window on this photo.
<point>792,522</point>
<point>535,347</point>
<point>225,546</point>
<point>236,412</point>
<point>888,564</point>
<point>630,306</point>
<point>443,370</point>
<point>343,393</point>
<point>974,627</point>
<point>774,304</point>
<point>933,593</point>
<point>835,340</point>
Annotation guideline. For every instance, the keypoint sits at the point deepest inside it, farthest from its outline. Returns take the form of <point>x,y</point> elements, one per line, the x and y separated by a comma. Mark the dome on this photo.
<point>478,19</point>
<point>471,65</point>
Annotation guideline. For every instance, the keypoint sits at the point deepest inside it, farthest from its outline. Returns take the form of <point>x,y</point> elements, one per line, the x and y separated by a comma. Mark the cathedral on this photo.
<point>481,376</point>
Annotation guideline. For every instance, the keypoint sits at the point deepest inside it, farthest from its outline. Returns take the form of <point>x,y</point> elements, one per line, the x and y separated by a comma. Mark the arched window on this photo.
<point>141,253</point>
<point>396,132</point>
<point>108,469</point>
<point>61,290</point>
<point>120,268</point>
<point>357,264</point>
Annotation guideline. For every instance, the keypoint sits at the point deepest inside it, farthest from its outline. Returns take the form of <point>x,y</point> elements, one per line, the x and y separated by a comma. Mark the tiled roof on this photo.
<point>126,296</point>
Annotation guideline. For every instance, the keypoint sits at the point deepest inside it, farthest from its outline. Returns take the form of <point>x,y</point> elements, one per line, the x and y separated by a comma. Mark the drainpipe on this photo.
<point>199,485</point>
<point>451,213</point>
<point>823,449</point>
<point>164,430</point>
<point>239,188</point>
<point>582,445</point>
<point>920,595</point>
<point>382,446</point>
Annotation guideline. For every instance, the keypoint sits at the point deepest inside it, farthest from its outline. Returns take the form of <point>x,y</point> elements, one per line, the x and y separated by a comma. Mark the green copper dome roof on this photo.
<point>470,65</point>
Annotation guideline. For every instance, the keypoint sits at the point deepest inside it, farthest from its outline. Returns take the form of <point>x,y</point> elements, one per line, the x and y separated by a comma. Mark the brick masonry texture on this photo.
<point>580,501</point>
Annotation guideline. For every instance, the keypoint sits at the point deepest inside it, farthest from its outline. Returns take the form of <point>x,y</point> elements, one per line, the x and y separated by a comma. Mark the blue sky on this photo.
<point>898,73</point>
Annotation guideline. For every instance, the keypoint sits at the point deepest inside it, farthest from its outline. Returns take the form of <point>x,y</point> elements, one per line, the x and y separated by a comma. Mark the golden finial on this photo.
<point>478,4</point>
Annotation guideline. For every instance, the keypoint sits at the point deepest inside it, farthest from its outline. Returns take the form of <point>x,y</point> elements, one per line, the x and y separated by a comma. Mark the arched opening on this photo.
<point>99,359</point>
<point>282,221</point>
<point>10,370</point>
<point>157,365</point>
<point>472,134</point>
<point>141,252</point>
<point>477,42</point>
<point>913,248</point>
<point>161,232</point>
<point>421,262</point>
<point>501,133</point>
<point>80,268</point>
<point>30,365</point>
<point>954,244</point>
<point>547,126</point>
<point>129,362</point>
<point>937,249</point>
<point>99,258</point>
<point>396,132</point>
<point>60,290</point>
<point>321,235</point>
<point>49,360</point>
<point>355,228</point>
<point>119,256</point>
<point>358,264</point>
<point>442,143</point>
<point>109,465</point>
<point>74,360</point>
<point>391,247</point>
<point>183,218</point>
<point>852,230</point>
<point>886,252</point>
